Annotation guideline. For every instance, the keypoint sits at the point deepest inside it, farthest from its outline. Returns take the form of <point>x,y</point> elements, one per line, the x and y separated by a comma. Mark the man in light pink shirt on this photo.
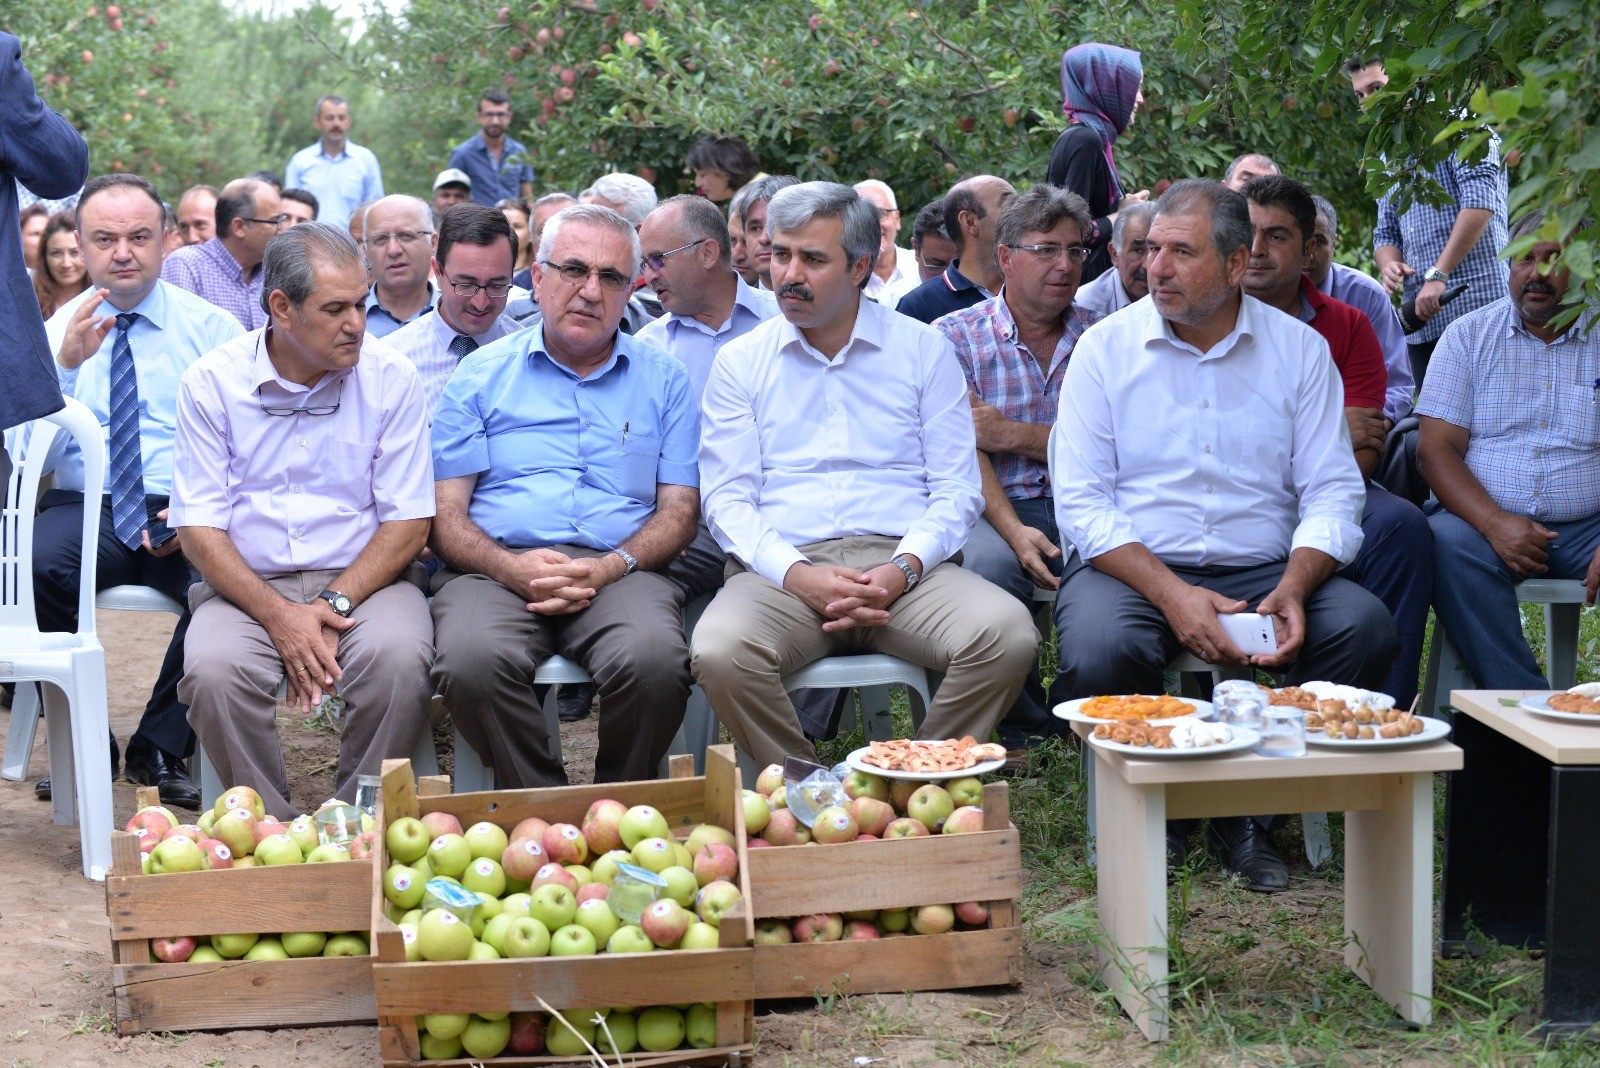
<point>303,490</point>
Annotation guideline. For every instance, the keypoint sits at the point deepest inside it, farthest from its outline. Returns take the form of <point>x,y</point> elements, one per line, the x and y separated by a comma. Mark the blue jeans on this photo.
<point>1475,596</point>
<point>1029,721</point>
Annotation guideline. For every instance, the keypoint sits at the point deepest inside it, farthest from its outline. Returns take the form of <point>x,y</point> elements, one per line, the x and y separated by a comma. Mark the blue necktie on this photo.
<point>128,513</point>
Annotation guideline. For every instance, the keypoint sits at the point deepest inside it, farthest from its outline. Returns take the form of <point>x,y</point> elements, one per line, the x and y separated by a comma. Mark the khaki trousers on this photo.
<point>955,622</point>
<point>629,640</point>
<point>232,673</point>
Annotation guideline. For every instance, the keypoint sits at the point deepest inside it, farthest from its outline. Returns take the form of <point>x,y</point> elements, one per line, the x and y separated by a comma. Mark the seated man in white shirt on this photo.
<point>1202,466</point>
<point>839,468</point>
<point>1127,281</point>
<point>474,262</point>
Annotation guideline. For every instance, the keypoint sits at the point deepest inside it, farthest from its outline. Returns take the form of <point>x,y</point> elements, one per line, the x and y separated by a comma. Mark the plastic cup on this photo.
<point>1283,732</point>
<point>338,824</point>
<point>367,787</point>
<point>814,793</point>
<point>451,896</point>
<point>633,890</point>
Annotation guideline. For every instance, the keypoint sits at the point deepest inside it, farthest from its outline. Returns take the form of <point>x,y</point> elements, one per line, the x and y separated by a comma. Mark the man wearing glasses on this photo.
<point>226,270</point>
<point>567,481</point>
<point>399,243</point>
<point>303,488</point>
<point>121,347</point>
<point>477,251</point>
<point>1014,349</point>
<point>497,163</point>
<point>896,266</point>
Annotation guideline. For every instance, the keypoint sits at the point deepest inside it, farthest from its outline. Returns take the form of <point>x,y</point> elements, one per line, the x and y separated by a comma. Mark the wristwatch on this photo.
<point>912,578</point>
<point>1433,274</point>
<point>630,564</point>
<point>338,602</point>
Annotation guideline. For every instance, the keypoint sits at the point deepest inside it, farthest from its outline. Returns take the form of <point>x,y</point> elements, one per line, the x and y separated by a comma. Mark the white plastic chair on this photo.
<point>72,666</point>
<point>1563,604</point>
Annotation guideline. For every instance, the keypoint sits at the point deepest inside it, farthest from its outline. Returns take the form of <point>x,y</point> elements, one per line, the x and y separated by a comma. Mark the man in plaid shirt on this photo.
<point>1013,350</point>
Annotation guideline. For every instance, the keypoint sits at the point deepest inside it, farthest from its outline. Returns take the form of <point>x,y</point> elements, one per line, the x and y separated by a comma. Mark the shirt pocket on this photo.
<point>1579,416</point>
<point>641,456</point>
<point>348,474</point>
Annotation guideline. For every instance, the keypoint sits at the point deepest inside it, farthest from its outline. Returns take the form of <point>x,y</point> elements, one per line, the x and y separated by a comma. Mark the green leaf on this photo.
<point>1588,157</point>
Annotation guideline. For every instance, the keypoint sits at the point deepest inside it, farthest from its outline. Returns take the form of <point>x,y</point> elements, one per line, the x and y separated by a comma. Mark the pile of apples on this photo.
<point>657,1029</point>
<point>542,890</point>
<point>291,944</point>
<point>879,808</point>
<point>237,833</point>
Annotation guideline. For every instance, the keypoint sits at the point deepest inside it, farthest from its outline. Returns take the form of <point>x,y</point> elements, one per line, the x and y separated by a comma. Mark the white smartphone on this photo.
<point>1252,632</point>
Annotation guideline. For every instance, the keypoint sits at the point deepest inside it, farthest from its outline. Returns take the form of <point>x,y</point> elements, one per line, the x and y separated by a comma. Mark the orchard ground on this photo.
<point>1258,979</point>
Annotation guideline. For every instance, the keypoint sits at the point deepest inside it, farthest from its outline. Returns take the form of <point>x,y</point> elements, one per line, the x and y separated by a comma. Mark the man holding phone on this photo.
<point>120,349</point>
<point>1203,468</point>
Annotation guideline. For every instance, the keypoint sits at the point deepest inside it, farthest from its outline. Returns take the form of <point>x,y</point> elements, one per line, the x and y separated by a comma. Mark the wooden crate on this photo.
<point>155,996</point>
<point>722,976</point>
<point>986,865</point>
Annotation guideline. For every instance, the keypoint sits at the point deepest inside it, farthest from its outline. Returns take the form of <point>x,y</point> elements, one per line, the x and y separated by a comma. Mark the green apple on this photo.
<point>411,916</point>
<point>717,898</point>
<point>486,1038</point>
<point>408,934</point>
<point>706,833</point>
<point>486,840</point>
<point>893,920</point>
<point>494,932</point>
<point>178,853</point>
<point>488,908</point>
<point>656,854</point>
<point>402,886</point>
<point>449,855</point>
<point>619,1035</point>
<point>681,856</point>
<point>641,822</point>
<point>482,951</point>
<point>445,1024</point>
<point>205,955</point>
<point>233,946</point>
<point>580,873</point>
<point>756,812</point>
<point>423,869</point>
<point>240,797</point>
<point>268,947</point>
<point>700,1025</point>
<point>303,829</point>
<point>967,791</point>
<point>278,849</point>
<point>572,941</point>
<point>554,906</point>
<point>660,1029</point>
<point>328,853</point>
<point>485,876</point>
<point>597,918</point>
<point>304,943</point>
<point>407,839</point>
<point>701,935</point>
<point>525,936</point>
<point>565,1036</point>
<point>236,830</point>
<point>439,1049</point>
<point>604,869</point>
<point>208,820</point>
<point>348,944</point>
<point>515,904</point>
<point>443,936</point>
<point>630,938</point>
<point>682,886</point>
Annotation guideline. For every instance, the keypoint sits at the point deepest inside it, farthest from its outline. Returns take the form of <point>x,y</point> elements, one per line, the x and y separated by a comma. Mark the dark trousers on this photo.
<point>1420,352</point>
<point>1395,565</point>
<point>57,550</point>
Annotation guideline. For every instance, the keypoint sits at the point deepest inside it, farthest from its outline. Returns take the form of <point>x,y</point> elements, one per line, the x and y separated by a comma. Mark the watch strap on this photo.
<point>912,578</point>
<point>630,562</point>
<point>334,597</point>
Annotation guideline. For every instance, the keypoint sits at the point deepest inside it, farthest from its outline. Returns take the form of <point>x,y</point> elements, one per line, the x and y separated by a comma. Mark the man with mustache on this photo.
<point>1116,289</point>
<point>496,163</point>
<point>841,475</point>
<point>1510,435</point>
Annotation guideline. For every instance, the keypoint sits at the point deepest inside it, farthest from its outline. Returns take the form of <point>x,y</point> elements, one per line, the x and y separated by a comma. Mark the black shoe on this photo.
<point>573,701</point>
<point>150,766</point>
<point>41,789</point>
<point>1177,844</point>
<point>1251,854</point>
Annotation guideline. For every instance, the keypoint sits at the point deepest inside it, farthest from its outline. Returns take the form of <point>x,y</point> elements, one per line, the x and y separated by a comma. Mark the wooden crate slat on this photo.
<point>914,962</point>
<point>638,1059</point>
<point>679,800</point>
<point>939,869</point>
<point>329,897</point>
<point>244,994</point>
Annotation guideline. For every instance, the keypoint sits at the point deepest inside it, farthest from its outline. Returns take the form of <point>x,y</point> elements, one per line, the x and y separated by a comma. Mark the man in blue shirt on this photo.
<point>127,317</point>
<point>338,172</point>
<point>566,459</point>
<point>497,165</point>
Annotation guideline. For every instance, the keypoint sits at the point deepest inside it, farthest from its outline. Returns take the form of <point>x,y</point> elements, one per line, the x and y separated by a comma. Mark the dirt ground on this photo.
<point>56,997</point>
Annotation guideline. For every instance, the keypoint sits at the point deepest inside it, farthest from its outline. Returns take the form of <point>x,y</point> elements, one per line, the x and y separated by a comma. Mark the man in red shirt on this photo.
<point>1396,559</point>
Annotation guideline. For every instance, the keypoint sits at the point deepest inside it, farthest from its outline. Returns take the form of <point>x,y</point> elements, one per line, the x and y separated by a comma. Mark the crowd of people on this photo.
<point>384,447</point>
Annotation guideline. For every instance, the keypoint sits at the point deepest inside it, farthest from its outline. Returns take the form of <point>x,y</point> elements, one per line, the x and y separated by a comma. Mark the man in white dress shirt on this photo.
<point>1202,466</point>
<point>476,257</point>
<point>896,269</point>
<point>839,469</point>
<point>1128,280</point>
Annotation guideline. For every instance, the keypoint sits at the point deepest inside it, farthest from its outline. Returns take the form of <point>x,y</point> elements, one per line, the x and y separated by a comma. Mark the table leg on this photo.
<point>1497,814</point>
<point>1388,897</point>
<point>1132,881</point>
<point>1572,945</point>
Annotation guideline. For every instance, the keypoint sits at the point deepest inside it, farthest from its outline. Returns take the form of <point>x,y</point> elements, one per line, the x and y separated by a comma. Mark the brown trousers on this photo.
<point>232,672</point>
<point>629,640</point>
<point>954,622</point>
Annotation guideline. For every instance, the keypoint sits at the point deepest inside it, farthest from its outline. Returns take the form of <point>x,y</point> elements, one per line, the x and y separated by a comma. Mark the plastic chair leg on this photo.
<point>877,721</point>
<point>1561,644</point>
<point>471,776</point>
<point>63,765</point>
<point>1319,846</point>
<point>424,759</point>
<point>25,714</point>
<point>92,760</point>
<point>206,778</point>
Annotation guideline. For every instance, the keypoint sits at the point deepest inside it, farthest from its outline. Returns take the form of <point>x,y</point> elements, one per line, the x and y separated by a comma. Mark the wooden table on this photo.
<point>1388,795</point>
<point>1521,861</point>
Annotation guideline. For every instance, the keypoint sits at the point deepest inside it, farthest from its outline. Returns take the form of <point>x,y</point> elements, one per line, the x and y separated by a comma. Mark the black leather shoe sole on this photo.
<point>1253,858</point>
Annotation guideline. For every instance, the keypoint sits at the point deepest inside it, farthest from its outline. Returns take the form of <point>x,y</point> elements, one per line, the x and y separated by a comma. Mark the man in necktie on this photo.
<point>474,262</point>
<point>155,332</point>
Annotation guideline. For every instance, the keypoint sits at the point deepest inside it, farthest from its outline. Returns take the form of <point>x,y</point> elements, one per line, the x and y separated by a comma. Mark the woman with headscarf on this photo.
<point>1100,91</point>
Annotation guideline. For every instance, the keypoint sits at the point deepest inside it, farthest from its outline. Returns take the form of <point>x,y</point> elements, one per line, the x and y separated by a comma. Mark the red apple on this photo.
<point>665,922</point>
<point>186,830</point>
<point>872,815</point>
<point>964,821</point>
<point>773,933</point>
<point>532,827</point>
<point>554,873</point>
<point>906,827</point>
<point>933,919</point>
<point>565,844</point>
<point>173,950</point>
<point>819,927</point>
<point>783,829</point>
<point>264,828</point>
<point>593,891</point>
<point>523,858</point>
<point>770,779</point>
<point>527,1028</point>
<point>900,791</point>
<point>834,825</point>
<point>365,846</point>
<point>758,843</point>
<point>861,931</point>
<point>158,821</point>
<point>715,861</point>
<point>602,826</point>
<point>973,913</point>
<point>441,823</point>
<point>214,855</point>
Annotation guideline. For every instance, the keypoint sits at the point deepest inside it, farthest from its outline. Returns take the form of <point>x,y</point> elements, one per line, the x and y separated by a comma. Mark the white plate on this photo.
<point>1243,738</point>
<point>982,768</point>
<point>1540,705</point>
<point>1070,711</point>
<point>1432,731</point>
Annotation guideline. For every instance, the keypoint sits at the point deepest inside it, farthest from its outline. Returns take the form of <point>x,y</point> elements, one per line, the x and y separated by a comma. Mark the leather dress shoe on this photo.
<point>573,701</point>
<point>149,765</point>
<point>41,789</point>
<point>1177,843</point>
<point>1251,854</point>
